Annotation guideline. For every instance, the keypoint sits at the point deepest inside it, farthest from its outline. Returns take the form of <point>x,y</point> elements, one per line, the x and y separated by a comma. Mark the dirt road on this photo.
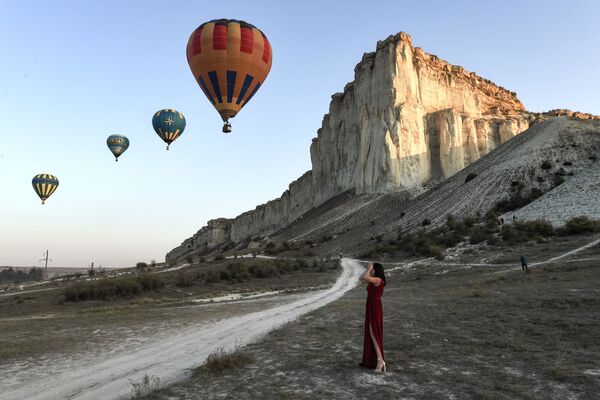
<point>169,357</point>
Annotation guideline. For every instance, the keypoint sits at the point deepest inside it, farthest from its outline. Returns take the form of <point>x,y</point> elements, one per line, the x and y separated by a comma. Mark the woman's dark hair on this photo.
<point>378,268</point>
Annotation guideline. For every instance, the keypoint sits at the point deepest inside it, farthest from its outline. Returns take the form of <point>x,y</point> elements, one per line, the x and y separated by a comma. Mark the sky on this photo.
<point>73,72</point>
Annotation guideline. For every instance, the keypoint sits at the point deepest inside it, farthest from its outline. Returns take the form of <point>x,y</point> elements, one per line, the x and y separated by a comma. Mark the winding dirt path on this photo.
<point>109,376</point>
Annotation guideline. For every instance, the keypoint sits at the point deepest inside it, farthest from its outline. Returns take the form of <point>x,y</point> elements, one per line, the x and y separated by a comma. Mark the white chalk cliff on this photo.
<point>407,119</point>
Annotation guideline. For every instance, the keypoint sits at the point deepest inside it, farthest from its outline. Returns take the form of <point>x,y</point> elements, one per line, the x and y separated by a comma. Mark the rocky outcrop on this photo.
<point>407,119</point>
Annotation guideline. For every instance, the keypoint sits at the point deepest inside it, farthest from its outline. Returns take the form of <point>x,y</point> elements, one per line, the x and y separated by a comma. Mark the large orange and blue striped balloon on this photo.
<point>117,145</point>
<point>168,124</point>
<point>44,185</point>
<point>230,60</point>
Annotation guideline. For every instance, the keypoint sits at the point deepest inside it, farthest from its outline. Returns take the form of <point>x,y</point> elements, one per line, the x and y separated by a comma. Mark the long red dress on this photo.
<point>374,317</point>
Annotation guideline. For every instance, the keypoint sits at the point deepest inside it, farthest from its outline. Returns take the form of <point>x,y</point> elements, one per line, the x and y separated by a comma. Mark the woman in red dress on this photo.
<point>373,341</point>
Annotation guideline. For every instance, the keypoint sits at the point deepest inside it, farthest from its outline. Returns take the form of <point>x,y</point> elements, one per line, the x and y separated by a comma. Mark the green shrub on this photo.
<point>451,239</point>
<point>517,200</point>
<point>326,238</point>
<point>479,235</point>
<point>10,275</point>
<point>579,225</point>
<point>141,265</point>
<point>150,282</point>
<point>557,180</point>
<point>213,276</point>
<point>110,288</point>
<point>185,279</point>
<point>524,231</point>
<point>492,240</point>
<point>435,251</point>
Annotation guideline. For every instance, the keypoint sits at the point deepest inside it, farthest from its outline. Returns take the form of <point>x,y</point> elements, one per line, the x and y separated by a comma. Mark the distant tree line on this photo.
<point>10,275</point>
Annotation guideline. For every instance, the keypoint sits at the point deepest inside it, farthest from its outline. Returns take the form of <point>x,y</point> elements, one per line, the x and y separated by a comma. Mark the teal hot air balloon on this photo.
<point>168,124</point>
<point>117,145</point>
<point>44,185</point>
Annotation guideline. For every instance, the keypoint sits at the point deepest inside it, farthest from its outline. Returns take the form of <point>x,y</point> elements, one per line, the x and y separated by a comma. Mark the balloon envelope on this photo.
<point>230,60</point>
<point>169,124</point>
<point>44,185</point>
<point>117,144</point>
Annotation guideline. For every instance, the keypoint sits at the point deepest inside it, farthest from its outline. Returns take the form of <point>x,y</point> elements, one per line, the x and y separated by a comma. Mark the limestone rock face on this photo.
<point>407,119</point>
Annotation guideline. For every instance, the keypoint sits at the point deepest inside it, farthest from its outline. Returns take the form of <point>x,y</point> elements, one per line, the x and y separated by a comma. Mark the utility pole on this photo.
<point>45,259</point>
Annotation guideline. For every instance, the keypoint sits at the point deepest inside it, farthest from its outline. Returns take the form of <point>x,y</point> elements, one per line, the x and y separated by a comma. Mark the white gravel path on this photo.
<point>109,376</point>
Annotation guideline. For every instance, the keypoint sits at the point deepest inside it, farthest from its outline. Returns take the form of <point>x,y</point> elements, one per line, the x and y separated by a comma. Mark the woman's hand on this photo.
<point>365,277</point>
<point>368,278</point>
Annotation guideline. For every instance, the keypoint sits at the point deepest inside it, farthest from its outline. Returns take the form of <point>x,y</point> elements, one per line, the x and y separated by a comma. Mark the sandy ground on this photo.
<point>168,354</point>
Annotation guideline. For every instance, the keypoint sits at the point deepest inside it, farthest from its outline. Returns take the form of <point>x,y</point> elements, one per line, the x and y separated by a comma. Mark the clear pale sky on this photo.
<point>74,72</point>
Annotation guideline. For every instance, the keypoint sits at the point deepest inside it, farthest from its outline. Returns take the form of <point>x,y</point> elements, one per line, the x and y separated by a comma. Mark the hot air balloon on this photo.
<point>117,145</point>
<point>44,185</point>
<point>169,124</point>
<point>230,60</point>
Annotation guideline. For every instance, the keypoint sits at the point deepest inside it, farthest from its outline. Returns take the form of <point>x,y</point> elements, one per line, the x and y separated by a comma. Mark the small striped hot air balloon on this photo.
<point>169,124</point>
<point>230,60</point>
<point>44,185</point>
<point>117,145</point>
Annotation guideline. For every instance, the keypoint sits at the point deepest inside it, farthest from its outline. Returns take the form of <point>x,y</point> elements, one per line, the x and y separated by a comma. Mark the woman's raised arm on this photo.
<point>366,277</point>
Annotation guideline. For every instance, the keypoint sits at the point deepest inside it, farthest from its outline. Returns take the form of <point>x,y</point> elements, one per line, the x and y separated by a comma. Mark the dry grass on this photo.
<point>465,334</point>
<point>220,362</point>
<point>147,385</point>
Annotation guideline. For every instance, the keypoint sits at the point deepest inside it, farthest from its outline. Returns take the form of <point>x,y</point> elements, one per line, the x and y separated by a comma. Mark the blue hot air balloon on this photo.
<point>168,124</point>
<point>117,145</point>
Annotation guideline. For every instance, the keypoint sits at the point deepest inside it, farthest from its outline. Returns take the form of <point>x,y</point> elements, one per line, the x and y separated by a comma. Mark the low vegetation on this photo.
<point>146,386</point>
<point>475,230</point>
<point>10,275</point>
<point>110,288</point>
<point>579,225</point>
<point>433,242</point>
<point>517,199</point>
<point>221,361</point>
<point>272,248</point>
<point>239,271</point>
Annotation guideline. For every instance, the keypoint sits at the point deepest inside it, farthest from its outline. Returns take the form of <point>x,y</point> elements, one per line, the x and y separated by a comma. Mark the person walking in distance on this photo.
<point>524,264</point>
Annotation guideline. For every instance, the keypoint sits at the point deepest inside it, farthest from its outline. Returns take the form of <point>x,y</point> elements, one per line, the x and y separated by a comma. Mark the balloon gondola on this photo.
<point>230,60</point>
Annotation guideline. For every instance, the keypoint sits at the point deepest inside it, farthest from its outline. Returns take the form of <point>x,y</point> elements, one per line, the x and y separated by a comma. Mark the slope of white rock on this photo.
<point>552,150</point>
<point>579,195</point>
<point>407,119</point>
